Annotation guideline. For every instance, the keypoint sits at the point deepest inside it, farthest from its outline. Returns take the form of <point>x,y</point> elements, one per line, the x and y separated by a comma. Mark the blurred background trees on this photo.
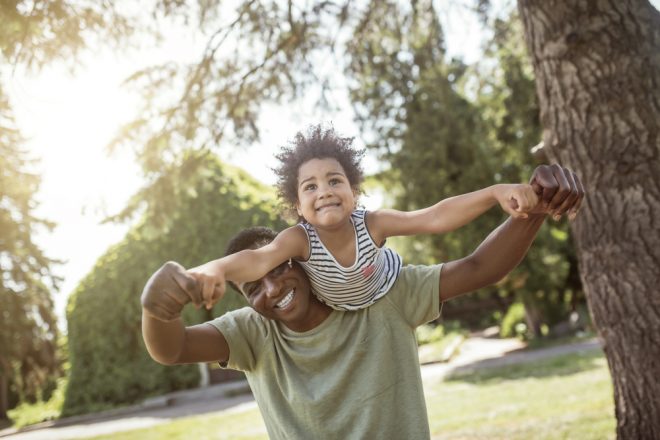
<point>438,127</point>
<point>32,35</point>
<point>29,364</point>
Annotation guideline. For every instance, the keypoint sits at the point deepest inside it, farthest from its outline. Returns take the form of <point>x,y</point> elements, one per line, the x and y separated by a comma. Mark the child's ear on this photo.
<point>298,210</point>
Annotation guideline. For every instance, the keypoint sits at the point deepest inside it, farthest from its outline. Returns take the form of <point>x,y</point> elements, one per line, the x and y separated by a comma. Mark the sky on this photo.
<point>69,117</point>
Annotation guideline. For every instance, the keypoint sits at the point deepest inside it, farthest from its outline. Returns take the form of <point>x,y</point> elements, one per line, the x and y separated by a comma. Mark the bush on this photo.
<point>110,365</point>
<point>513,324</point>
<point>428,333</point>
<point>40,411</point>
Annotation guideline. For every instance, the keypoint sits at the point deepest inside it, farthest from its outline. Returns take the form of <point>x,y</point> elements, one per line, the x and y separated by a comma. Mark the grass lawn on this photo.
<point>567,397</point>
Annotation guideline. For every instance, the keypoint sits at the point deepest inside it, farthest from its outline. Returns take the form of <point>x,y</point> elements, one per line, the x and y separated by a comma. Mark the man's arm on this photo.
<point>167,339</point>
<point>560,192</point>
<point>495,257</point>
<point>452,213</point>
<point>171,343</point>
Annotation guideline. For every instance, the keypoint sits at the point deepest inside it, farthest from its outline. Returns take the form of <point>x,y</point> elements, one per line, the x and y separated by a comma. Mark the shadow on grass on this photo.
<point>482,372</point>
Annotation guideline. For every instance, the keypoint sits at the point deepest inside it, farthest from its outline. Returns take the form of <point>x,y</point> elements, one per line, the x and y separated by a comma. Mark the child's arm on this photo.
<point>249,264</point>
<point>452,213</point>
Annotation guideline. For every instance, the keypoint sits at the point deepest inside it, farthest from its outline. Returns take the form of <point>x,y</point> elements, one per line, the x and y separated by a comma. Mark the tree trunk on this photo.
<point>597,66</point>
<point>4,401</point>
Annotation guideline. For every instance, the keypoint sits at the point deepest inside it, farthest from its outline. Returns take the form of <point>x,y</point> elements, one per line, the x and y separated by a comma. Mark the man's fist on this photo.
<point>168,290</point>
<point>559,189</point>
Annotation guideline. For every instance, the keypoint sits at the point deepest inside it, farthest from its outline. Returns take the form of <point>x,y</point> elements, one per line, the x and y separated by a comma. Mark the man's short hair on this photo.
<point>250,238</point>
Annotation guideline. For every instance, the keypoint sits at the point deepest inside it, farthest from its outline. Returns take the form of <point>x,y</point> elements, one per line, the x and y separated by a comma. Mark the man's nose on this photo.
<point>271,285</point>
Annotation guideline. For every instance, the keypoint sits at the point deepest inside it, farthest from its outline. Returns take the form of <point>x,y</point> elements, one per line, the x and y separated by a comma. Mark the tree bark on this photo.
<point>597,66</point>
<point>4,401</point>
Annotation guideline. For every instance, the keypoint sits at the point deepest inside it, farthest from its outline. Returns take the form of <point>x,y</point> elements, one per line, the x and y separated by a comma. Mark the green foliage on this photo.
<point>407,98</point>
<point>411,103</point>
<point>28,326</point>
<point>256,52</point>
<point>109,363</point>
<point>547,281</point>
<point>42,410</point>
<point>513,324</point>
<point>446,129</point>
<point>428,333</point>
<point>439,342</point>
<point>34,34</point>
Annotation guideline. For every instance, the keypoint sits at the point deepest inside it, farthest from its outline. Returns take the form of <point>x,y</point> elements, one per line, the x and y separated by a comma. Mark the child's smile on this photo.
<point>328,206</point>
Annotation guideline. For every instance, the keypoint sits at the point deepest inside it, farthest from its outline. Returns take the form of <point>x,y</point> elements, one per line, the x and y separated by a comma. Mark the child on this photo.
<point>339,246</point>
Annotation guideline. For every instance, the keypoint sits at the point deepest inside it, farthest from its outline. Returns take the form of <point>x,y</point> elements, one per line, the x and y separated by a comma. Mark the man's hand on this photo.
<point>559,189</point>
<point>168,290</point>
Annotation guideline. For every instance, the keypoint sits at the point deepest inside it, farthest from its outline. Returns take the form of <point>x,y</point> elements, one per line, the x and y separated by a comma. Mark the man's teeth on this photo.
<point>285,301</point>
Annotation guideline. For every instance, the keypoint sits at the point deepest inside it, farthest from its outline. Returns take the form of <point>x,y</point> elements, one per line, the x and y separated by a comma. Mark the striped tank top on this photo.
<point>351,288</point>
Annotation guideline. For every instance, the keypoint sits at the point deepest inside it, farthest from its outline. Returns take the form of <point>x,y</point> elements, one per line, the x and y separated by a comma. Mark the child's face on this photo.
<point>325,196</point>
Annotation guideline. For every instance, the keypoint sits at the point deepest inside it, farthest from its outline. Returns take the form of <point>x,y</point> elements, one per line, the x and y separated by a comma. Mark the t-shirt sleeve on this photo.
<point>416,294</point>
<point>245,332</point>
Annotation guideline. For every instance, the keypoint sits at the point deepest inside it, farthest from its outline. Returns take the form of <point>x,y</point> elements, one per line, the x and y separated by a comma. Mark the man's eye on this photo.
<point>250,289</point>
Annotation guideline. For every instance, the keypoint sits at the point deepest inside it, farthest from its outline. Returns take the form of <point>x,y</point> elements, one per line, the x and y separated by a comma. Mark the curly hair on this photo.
<point>317,143</point>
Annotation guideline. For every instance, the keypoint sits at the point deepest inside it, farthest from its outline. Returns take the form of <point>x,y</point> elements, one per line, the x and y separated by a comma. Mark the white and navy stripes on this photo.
<point>351,288</point>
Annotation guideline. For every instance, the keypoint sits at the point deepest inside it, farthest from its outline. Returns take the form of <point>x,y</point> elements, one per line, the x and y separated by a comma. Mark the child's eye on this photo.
<point>310,187</point>
<point>335,181</point>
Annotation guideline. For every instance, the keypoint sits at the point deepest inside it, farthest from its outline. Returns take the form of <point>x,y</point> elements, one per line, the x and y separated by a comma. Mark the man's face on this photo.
<point>283,295</point>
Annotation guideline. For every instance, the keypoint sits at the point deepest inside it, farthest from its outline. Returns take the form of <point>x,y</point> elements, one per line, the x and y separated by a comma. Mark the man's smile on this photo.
<point>284,302</point>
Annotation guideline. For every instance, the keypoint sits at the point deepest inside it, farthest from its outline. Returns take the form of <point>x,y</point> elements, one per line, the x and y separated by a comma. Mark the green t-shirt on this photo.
<point>356,375</point>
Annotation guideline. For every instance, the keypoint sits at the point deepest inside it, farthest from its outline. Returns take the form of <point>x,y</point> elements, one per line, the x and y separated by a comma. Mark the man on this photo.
<point>320,373</point>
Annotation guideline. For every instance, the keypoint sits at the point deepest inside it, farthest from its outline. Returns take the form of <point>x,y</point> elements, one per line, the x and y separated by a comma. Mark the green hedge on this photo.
<point>109,363</point>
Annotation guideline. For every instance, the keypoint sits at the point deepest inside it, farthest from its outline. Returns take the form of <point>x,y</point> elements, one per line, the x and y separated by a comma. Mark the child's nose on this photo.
<point>325,190</point>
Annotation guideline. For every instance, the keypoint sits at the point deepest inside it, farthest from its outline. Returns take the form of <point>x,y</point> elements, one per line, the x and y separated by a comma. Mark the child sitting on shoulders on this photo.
<point>340,247</point>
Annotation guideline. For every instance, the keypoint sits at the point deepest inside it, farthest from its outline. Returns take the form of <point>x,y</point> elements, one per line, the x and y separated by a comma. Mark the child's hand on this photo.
<point>516,199</point>
<point>212,283</point>
<point>168,290</point>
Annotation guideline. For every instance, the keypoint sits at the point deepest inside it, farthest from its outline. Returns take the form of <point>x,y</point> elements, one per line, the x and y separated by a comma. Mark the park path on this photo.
<point>476,352</point>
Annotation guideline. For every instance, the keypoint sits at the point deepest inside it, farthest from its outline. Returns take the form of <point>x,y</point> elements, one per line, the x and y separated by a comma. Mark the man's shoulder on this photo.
<point>244,320</point>
<point>413,276</point>
<point>416,292</point>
